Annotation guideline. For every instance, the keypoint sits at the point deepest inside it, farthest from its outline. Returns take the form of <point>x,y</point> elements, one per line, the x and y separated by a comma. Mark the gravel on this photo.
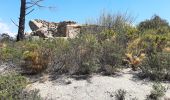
<point>97,87</point>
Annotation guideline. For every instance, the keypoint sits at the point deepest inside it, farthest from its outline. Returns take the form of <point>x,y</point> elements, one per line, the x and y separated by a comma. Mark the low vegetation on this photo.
<point>157,92</point>
<point>12,88</point>
<point>120,94</point>
<point>157,67</point>
<point>117,45</point>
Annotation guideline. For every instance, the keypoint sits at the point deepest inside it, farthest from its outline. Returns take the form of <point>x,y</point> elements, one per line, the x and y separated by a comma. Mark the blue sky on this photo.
<point>82,10</point>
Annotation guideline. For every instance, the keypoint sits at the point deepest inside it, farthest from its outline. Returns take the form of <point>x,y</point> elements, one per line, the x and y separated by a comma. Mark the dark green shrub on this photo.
<point>119,24</point>
<point>85,55</point>
<point>10,52</point>
<point>156,66</point>
<point>126,34</point>
<point>157,92</point>
<point>62,56</point>
<point>159,25</point>
<point>5,38</point>
<point>79,55</point>
<point>106,34</point>
<point>11,86</point>
<point>87,48</point>
<point>37,55</point>
<point>147,43</point>
<point>111,56</point>
<point>153,42</point>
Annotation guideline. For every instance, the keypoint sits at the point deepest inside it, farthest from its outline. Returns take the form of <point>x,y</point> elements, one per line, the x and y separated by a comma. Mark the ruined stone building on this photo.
<point>46,29</point>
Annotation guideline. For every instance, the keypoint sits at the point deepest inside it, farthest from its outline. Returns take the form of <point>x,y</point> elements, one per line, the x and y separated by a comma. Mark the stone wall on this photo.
<point>92,29</point>
<point>47,29</point>
<point>73,30</point>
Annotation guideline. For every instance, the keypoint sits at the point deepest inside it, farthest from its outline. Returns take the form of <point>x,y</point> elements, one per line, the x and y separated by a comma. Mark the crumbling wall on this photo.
<point>92,29</point>
<point>47,29</point>
<point>73,30</point>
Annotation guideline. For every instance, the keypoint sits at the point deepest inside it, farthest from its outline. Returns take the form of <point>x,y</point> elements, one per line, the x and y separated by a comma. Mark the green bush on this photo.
<point>147,43</point>
<point>111,56</point>
<point>154,43</point>
<point>156,66</point>
<point>159,25</point>
<point>61,61</point>
<point>11,86</point>
<point>85,55</point>
<point>10,53</point>
<point>37,55</point>
<point>126,34</point>
<point>119,25</point>
<point>157,92</point>
<point>79,55</point>
<point>106,34</point>
<point>31,55</point>
<point>82,55</point>
<point>86,48</point>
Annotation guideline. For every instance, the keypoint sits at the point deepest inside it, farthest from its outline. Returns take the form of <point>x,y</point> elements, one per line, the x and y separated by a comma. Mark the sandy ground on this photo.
<point>95,88</point>
<point>6,68</point>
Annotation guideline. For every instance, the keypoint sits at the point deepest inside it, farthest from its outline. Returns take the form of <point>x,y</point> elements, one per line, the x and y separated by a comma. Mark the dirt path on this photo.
<point>96,88</point>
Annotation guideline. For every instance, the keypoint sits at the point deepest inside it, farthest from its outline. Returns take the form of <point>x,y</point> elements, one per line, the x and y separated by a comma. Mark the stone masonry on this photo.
<point>47,29</point>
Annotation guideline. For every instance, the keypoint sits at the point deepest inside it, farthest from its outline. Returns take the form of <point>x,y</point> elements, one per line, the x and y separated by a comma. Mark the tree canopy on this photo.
<point>155,23</point>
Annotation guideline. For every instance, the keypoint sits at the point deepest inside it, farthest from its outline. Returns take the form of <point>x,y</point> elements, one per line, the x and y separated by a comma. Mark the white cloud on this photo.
<point>6,28</point>
<point>10,28</point>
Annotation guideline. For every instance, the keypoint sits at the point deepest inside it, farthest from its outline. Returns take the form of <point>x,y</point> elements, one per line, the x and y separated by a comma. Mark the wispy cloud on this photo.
<point>6,28</point>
